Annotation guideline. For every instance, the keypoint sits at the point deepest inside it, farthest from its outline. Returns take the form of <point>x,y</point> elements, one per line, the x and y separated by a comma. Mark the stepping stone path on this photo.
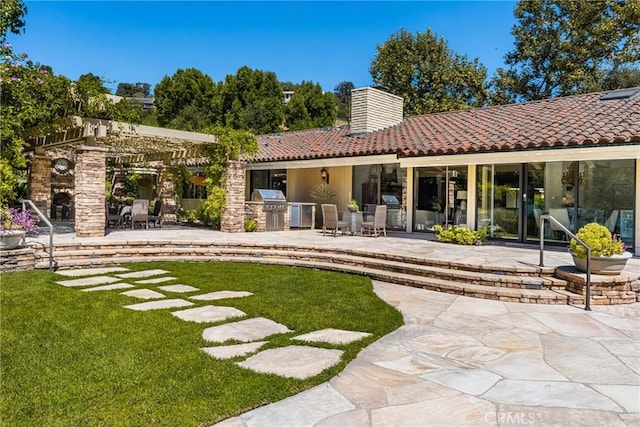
<point>221,295</point>
<point>229,351</point>
<point>178,288</point>
<point>244,330</point>
<point>156,280</point>
<point>108,287</point>
<point>294,361</point>
<point>208,313</point>
<point>143,294</point>
<point>332,336</point>
<point>157,305</point>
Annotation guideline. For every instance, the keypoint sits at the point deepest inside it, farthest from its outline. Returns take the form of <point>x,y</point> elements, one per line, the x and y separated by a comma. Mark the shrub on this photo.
<point>599,239</point>
<point>250,225</point>
<point>16,219</point>
<point>460,235</point>
<point>211,209</point>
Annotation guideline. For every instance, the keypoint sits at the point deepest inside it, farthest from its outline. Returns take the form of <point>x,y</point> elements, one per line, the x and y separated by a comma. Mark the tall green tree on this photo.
<point>12,13</point>
<point>427,74</point>
<point>32,102</point>
<point>342,91</point>
<point>568,47</point>
<point>310,107</point>
<point>252,100</point>
<point>134,90</point>
<point>186,101</point>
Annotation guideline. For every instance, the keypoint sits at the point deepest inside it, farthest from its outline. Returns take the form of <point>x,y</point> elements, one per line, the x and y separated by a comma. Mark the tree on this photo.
<point>32,102</point>
<point>12,14</point>
<point>310,107</point>
<point>252,100</point>
<point>427,74</point>
<point>343,95</point>
<point>186,101</point>
<point>134,90</point>
<point>568,47</point>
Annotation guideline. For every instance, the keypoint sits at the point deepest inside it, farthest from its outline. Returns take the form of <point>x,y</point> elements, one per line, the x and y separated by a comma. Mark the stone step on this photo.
<point>501,279</point>
<point>538,296</point>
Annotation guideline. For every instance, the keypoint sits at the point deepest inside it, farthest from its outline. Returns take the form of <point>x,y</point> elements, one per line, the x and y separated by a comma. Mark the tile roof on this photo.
<point>581,120</point>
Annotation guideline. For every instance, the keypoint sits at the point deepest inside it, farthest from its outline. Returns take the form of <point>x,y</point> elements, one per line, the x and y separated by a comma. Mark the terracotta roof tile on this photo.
<point>559,122</point>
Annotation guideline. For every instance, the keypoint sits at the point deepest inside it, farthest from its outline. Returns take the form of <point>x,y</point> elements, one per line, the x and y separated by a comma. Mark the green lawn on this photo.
<point>72,358</point>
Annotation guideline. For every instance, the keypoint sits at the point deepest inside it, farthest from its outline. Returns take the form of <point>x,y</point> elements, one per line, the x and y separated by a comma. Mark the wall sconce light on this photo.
<point>324,175</point>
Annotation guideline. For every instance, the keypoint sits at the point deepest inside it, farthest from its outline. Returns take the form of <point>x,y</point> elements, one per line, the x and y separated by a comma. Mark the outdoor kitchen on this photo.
<point>272,212</point>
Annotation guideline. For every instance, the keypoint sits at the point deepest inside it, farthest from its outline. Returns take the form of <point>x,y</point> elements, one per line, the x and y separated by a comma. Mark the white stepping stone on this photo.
<point>178,288</point>
<point>156,280</point>
<point>208,313</point>
<point>90,271</point>
<point>244,330</point>
<point>221,295</point>
<point>157,305</point>
<point>144,273</point>
<point>293,361</point>
<point>229,351</point>
<point>108,287</point>
<point>333,336</point>
<point>88,281</point>
<point>143,294</point>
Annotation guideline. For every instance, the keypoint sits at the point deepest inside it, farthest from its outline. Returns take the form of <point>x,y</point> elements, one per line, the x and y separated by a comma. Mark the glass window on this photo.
<point>499,200</point>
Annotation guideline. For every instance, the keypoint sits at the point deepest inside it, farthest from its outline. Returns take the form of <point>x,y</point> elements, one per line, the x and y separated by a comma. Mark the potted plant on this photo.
<point>608,255</point>
<point>14,224</point>
<point>352,206</point>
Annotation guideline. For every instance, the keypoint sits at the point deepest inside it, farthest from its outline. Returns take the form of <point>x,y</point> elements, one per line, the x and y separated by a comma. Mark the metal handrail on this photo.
<point>46,221</point>
<point>551,219</point>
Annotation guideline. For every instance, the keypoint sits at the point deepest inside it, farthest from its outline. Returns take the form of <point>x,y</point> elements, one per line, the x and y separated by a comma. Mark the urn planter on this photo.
<point>607,265</point>
<point>11,239</point>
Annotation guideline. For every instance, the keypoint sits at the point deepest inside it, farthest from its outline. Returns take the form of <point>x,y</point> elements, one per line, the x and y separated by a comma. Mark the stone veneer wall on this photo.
<point>168,194</point>
<point>40,183</point>
<point>17,259</point>
<point>232,220</point>
<point>605,290</point>
<point>90,191</point>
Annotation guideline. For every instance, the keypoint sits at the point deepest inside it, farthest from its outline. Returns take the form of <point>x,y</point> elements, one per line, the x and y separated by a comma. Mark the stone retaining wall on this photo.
<point>17,259</point>
<point>605,290</point>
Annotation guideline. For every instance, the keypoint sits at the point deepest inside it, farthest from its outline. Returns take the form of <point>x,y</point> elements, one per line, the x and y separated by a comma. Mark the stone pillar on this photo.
<point>40,183</point>
<point>91,171</point>
<point>168,194</point>
<point>232,220</point>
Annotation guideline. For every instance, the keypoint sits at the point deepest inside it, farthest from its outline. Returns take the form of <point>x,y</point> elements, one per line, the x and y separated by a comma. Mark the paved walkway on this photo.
<point>459,361</point>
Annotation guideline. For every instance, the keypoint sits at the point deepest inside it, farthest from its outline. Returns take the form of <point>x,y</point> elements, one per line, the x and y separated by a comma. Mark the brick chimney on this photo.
<point>373,109</point>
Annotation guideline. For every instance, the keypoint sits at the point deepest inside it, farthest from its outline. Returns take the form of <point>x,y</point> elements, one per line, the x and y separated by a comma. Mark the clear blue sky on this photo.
<point>324,42</point>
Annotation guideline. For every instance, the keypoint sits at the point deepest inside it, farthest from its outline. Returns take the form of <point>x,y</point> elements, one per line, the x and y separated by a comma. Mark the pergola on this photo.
<point>94,140</point>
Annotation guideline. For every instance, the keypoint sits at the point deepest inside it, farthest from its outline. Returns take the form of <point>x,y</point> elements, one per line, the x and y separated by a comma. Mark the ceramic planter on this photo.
<point>606,265</point>
<point>10,239</point>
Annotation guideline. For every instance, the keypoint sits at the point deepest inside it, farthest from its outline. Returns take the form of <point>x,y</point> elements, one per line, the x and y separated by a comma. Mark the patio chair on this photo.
<point>155,218</point>
<point>118,219</point>
<point>378,224</point>
<point>140,213</point>
<point>330,220</point>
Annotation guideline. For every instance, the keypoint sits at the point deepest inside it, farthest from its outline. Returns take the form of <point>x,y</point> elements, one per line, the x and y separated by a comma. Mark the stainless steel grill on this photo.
<point>275,205</point>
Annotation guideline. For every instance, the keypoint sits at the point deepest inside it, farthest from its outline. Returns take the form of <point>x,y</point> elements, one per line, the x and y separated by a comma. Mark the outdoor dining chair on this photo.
<point>378,224</point>
<point>155,217</point>
<point>140,213</point>
<point>330,220</point>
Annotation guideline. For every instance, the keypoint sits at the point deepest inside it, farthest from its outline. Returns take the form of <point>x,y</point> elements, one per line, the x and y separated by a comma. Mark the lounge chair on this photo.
<point>330,220</point>
<point>140,213</point>
<point>378,224</point>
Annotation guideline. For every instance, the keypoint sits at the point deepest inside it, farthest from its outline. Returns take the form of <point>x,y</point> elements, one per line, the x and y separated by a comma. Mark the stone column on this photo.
<point>40,183</point>
<point>232,220</point>
<point>168,194</point>
<point>91,171</point>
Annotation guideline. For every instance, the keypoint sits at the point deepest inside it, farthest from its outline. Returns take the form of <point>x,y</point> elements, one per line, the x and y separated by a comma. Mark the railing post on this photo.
<point>46,221</point>
<point>566,231</point>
